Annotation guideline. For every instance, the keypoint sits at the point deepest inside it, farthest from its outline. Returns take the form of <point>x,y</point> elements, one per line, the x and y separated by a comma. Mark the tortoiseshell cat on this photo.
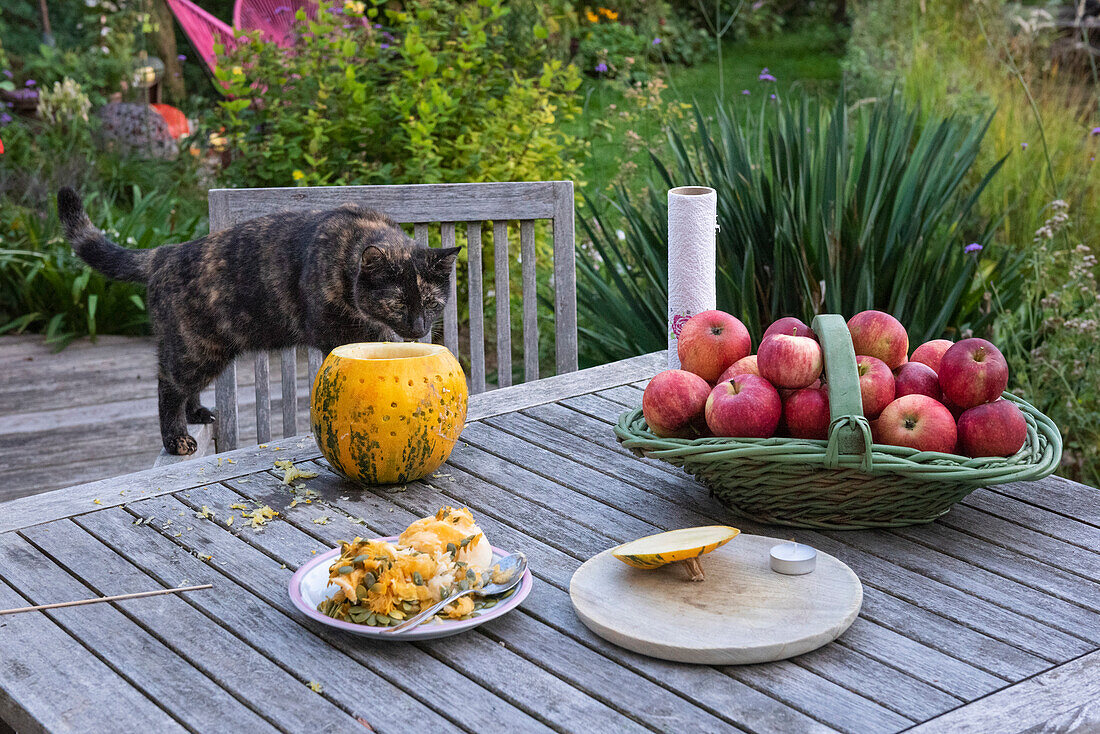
<point>321,278</point>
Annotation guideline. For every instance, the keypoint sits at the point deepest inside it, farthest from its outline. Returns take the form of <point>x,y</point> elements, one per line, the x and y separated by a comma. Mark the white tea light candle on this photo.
<point>793,559</point>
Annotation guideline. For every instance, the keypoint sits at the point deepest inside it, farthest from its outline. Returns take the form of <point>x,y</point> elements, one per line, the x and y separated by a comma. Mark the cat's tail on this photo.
<point>94,248</point>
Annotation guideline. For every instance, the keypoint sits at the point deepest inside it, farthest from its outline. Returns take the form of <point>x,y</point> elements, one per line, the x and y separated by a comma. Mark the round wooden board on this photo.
<point>743,612</point>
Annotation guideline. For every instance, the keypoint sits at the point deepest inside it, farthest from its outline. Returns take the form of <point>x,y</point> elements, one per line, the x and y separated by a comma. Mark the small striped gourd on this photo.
<point>388,413</point>
<point>654,551</point>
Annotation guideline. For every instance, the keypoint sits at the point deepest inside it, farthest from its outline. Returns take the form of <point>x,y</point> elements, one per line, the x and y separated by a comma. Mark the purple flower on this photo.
<point>30,82</point>
<point>377,26</point>
<point>972,247</point>
<point>7,73</point>
<point>601,68</point>
<point>181,57</point>
<point>1095,131</point>
<point>5,118</point>
<point>1023,146</point>
<point>745,92</point>
<point>383,45</point>
<point>766,76</point>
<point>656,41</point>
<point>282,9</point>
<point>773,96</point>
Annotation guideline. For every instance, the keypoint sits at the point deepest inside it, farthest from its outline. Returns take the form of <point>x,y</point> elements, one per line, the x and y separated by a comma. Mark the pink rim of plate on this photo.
<point>461,625</point>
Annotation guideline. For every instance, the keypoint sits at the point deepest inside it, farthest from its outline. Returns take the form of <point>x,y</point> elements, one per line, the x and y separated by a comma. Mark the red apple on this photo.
<point>992,429</point>
<point>930,353</point>
<point>876,385</point>
<point>744,366</point>
<point>973,372</point>
<point>673,404</point>
<point>880,335</point>
<point>789,361</point>
<point>916,421</point>
<point>917,378</point>
<point>806,412</point>
<point>746,406</point>
<point>710,342</point>
<point>789,325</point>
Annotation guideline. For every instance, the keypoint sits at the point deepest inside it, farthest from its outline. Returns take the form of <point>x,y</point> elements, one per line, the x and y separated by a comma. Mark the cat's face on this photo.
<point>405,288</point>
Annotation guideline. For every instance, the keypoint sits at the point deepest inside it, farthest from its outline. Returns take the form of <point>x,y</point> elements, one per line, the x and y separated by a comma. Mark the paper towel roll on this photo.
<point>692,221</point>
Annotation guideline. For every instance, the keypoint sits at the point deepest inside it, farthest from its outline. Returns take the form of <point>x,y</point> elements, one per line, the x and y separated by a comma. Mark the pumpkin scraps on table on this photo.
<point>382,583</point>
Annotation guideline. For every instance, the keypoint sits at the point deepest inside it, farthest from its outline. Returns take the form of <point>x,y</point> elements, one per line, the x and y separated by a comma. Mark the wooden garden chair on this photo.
<point>447,206</point>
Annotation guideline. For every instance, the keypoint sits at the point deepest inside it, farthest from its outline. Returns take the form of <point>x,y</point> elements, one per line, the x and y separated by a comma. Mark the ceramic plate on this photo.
<point>309,586</point>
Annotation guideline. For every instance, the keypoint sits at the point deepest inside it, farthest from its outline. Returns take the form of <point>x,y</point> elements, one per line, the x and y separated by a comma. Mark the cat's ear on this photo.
<point>373,257</point>
<point>443,258</point>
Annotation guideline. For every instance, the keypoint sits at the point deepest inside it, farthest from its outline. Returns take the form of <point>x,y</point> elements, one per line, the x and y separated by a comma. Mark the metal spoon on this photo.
<point>511,571</point>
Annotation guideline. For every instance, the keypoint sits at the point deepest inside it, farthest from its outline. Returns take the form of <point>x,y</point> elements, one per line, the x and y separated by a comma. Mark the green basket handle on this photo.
<point>849,431</point>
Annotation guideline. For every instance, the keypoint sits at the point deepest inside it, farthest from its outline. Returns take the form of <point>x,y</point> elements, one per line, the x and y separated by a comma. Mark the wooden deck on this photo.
<point>90,411</point>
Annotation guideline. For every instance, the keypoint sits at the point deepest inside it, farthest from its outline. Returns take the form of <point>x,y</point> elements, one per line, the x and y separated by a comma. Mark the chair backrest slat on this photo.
<point>450,311</point>
<point>314,359</point>
<point>263,397</point>
<point>502,299</point>
<point>424,205</point>
<point>420,235</point>
<point>565,286</point>
<point>226,429</point>
<point>477,315</point>
<point>289,379</point>
<point>530,301</point>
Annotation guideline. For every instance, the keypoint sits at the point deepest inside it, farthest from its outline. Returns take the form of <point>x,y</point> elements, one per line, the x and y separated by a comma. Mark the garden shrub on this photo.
<point>822,208</point>
<point>368,94</point>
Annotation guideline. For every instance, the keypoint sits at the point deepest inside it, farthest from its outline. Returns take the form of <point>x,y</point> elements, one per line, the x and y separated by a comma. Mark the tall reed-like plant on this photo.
<point>822,207</point>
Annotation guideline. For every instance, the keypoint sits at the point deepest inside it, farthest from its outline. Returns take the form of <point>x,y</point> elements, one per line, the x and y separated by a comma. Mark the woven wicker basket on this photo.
<point>846,482</point>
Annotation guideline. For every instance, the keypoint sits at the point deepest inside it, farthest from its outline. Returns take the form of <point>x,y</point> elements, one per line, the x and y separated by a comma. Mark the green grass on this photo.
<point>800,60</point>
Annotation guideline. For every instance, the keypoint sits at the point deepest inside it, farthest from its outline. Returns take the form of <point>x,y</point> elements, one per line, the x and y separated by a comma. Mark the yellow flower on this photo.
<point>237,71</point>
<point>592,17</point>
<point>609,14</point>
<point>354,6</point>
<point>298,175</point>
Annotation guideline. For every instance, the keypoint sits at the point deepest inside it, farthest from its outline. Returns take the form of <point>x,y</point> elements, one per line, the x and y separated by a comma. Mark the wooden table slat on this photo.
<point>250,676</point>
<point>187,693</point>
<point>37,694</point>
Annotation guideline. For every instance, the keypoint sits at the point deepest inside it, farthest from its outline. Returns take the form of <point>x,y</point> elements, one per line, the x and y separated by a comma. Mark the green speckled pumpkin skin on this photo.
<point>388,420</point>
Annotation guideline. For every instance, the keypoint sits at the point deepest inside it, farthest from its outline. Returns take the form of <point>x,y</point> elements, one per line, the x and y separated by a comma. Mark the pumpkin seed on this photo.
<point>362,557</point>
<point>371,620</point>
<point>376,588</point>
<point>360,591</point>
<point>418,579</point>
<point>452,549</point>
<point>471,575</point>
<point>463,585</point>
<point>369,580</point>
<point>344,570</point>
<point>489,604</point>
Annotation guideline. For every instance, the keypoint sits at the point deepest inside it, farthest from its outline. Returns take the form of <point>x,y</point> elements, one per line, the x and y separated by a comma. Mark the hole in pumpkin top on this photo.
<point>388,350</point>
<point>410,383</point>
<point>393,405</point>
<point>393,433</point>
<point>362,381</point>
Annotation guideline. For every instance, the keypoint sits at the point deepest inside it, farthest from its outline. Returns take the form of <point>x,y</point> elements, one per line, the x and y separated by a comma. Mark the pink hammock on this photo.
<point>273,18</point>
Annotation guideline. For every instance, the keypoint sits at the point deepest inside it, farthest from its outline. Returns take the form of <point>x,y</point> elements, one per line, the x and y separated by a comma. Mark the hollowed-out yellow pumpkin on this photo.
<point>386,413</point>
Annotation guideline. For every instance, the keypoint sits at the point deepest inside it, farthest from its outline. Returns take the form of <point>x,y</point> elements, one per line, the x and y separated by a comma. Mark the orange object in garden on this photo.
<point>177,121</point>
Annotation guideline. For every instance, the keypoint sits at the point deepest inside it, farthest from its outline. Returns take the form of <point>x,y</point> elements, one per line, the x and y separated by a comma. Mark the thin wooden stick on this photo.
<point>120,597</point>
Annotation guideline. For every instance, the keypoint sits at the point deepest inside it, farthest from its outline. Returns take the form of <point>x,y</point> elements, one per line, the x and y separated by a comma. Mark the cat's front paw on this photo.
<point>200,414</point>
<point>181,445</point>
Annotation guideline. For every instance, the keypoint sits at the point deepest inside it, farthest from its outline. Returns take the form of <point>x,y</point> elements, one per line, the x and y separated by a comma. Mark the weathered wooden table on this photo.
<point>984,621</point>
